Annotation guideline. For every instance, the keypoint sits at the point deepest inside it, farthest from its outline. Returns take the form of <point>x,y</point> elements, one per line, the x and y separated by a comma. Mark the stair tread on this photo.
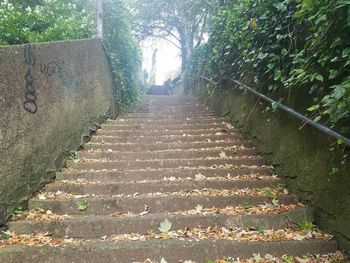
<point>170,250</point>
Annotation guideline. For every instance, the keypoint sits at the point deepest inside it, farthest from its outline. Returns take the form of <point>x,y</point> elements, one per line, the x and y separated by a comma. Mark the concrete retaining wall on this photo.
<point>51,97</point>
<point>299,153</point>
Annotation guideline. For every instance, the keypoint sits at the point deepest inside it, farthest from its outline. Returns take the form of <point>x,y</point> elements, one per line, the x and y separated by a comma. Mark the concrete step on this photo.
<point>158,90</point>
<point>168,115</point>
<point>136,204</point>
<point>99,226</point>
<point>161,186</point>
<point>166,132</point>
<point>168,105</point>
<point>172,251</point>
<point>164,121</point>
<point>181,110</point>
<point>171,154</point>
<point>158,126</point>
<point>142,175</point>
<point>85,165</point>
<point>164,139</point>
<point>167,158</point>
<point>129,146</point>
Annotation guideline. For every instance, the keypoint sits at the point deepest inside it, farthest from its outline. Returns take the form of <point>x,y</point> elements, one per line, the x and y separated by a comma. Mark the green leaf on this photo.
<point>334,171</point>
<point>247,206</point>
<point>269,193</point>
<point>275,105</point>
<point>83,205</point>
<point>317,119</point>
<point>306,225</point>
<point>257,257</point>
<point>314,107</point>
<point>333,74</point>
<point>346,53</point>
<point>17,213</point>
<point>260,229</point>
<point>278,74</point>
<point>288,259</point>
<point>340,141</point>
<point>5,235</point>
<point>319,77</point>
<point>262,55</point>
<point>165,226</point>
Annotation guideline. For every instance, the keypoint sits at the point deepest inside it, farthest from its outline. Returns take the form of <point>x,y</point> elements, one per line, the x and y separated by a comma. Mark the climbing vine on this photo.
<point>124,52</point>
<point>283,48</point>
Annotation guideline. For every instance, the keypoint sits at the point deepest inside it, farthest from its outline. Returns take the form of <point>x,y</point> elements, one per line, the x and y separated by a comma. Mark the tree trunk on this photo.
<point>99,21</point>
<point>186,44</point>
<point>184,57</point>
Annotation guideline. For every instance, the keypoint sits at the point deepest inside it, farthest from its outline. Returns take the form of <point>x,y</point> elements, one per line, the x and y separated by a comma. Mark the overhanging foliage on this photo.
<point>283,47</point>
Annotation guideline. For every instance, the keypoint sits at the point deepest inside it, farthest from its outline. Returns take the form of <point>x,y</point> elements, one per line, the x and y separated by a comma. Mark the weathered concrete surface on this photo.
<point>171,250</point>
<point>99,226</point>
<point>51,96</point>
<point>301,156</point>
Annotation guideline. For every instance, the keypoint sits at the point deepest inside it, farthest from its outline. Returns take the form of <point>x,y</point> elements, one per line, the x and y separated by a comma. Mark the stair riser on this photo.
<point>177,139</point>
<point>163,164</point>
<point>164,146</point>
<point>178,111</point>
<point>170,117</point>
<point>165,121</point>
<point>107,206</point>
<point>167,116</point>
<point>172,251</point>
<point>130,176</point>
<point>96,227</point>
<point>147,126</point>
<point>163,155</point>
<point>154,187</point>
<point>155,133</point>
<point>169,106</point>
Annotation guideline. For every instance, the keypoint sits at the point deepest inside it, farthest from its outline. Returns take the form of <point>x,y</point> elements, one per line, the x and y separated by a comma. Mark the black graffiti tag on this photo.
<point>30,95</point>
<point>52,69</point>
<point>29,103</point>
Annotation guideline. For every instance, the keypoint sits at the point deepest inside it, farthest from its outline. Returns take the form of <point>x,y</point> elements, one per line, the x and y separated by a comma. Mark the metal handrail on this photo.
<point>294,113</point>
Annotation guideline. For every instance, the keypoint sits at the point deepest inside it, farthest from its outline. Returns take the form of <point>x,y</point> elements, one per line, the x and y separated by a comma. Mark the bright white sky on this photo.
<point>168,59</point>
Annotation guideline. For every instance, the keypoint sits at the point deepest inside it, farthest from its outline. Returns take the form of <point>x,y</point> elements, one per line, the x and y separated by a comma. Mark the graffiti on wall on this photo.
<point>50,70</point>
<point>29,103</point>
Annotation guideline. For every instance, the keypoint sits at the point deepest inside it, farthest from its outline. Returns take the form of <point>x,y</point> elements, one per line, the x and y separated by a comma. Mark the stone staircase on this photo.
<point>158,90</point>
<point>168,181</point>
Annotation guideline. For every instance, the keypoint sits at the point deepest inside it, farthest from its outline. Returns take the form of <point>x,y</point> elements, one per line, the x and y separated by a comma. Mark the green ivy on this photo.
<point>281,47</point>
<point>124,52</point>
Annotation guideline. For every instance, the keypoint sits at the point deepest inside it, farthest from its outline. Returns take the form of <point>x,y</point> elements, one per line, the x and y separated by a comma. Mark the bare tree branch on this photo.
<point>167,39</point>
<point>207,4</point>
<point>200,38</point>
<point>165,30</point>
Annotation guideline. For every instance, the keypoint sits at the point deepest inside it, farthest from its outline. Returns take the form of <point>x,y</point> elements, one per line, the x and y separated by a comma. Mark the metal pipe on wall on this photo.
<point>294,113</point>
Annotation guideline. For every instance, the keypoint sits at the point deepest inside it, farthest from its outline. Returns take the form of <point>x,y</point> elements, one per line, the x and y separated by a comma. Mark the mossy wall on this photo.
<point>299,153</point>
<point>52,95</point>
